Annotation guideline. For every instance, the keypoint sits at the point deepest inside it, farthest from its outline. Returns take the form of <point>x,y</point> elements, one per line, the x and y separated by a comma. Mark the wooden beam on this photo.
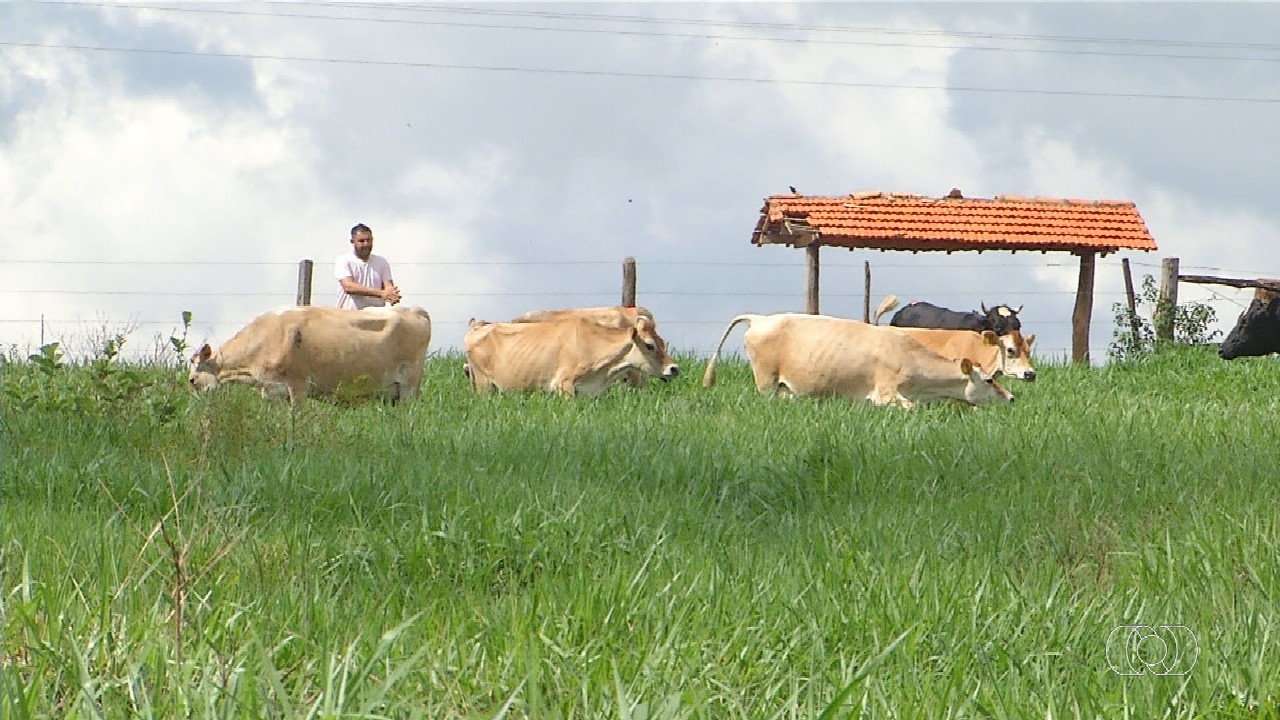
<point>1272,285</point>
<point>811,284</point>
<point>1083,313</point>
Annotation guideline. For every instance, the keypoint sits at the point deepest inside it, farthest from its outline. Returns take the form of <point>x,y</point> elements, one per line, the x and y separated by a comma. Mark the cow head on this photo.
<point>1015,353</point>
<point>1002,318</point>
<point>1257,332</point>
<point>202,371</point>
<point>652,350</point>
<point>982,389</point>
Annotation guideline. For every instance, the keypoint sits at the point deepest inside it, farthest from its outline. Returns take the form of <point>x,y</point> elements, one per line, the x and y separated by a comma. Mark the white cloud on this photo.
<point>135,157</point>
<point>886,138</point>
<point>94,173</point>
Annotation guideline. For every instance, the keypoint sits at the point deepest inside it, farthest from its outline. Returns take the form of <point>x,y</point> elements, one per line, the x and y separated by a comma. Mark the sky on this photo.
<point>157,158</point>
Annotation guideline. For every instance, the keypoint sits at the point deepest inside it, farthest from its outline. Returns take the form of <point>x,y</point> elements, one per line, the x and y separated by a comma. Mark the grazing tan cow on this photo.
<point>826,356</point>
<point>321,348</point>
<point>574,356</point>
<point>613,316</point>
<point>1009,353</point>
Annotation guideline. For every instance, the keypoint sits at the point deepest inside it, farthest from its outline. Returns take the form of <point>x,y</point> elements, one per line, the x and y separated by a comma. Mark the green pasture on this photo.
<point>672,552</point>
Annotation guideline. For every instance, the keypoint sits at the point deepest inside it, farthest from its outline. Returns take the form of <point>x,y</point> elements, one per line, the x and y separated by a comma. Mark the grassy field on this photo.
<point>677,552</point>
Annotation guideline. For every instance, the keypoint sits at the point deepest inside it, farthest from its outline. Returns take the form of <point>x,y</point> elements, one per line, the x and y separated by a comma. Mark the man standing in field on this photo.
<point>364,279</point>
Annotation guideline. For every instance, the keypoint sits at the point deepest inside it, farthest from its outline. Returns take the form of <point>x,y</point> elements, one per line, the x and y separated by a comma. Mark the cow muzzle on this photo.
<point>1029,376</point>
<point>670,371</point>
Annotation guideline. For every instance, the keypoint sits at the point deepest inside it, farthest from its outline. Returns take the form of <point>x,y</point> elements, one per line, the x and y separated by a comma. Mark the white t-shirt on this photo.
<point>370,274</point>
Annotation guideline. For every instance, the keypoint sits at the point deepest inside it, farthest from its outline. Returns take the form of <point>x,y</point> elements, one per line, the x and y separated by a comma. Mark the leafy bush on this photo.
<point>1190,321</point>
<point>103,386</point>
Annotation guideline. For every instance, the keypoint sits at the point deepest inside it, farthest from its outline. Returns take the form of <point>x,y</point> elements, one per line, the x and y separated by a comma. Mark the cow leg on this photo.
<point>480,382</point>
<point>565,385</point>
<point>297,392</point>
<point>274,391</point>
<point>766,381</point>
<point>880,398</point>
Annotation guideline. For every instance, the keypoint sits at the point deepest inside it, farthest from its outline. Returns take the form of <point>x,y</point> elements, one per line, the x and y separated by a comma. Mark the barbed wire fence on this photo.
<point>693,307</point>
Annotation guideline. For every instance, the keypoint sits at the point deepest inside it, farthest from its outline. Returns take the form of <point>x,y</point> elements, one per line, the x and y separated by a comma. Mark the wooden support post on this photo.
<point>1167,300</point>
<point>866,299</point>
<point>304,281</point>
<point>811,286</point>
<point>1083,313</point>
<point>1134,326</point>
<point>629,282</point>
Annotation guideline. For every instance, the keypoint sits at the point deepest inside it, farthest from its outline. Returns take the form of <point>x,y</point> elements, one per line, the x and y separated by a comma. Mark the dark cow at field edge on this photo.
<point>1257,332</point>
<point>1000,319</point>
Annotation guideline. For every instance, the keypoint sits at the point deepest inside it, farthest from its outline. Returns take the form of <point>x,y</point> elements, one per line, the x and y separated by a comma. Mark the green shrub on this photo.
<point>1190,321</point>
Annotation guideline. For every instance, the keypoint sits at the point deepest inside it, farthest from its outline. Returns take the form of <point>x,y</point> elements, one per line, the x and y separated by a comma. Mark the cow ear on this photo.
<point>641,322</point>
<point>966,366</point>
<point>205,353</point>
<point>989,337</point>
<point>1030,339</point>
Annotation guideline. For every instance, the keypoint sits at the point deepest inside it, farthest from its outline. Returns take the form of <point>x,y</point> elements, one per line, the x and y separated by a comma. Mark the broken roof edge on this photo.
<point>784,217</point>
<point>912,197</point>
<point>914,246</point>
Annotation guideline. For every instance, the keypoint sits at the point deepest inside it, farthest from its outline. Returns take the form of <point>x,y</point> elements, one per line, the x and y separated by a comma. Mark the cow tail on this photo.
<point>709,377</point>
<point>887,305</point>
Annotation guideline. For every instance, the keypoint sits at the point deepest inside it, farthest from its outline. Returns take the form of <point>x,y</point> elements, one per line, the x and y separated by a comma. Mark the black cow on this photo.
<point>1257,332</point>
<point>1001,319</point>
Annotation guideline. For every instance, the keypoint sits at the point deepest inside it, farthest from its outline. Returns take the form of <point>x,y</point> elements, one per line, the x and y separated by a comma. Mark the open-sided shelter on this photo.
<point>895,221</point>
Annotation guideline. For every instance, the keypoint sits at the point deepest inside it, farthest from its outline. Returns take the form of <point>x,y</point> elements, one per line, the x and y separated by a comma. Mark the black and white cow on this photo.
<point>1257,332</point>
<point>1001,319</point>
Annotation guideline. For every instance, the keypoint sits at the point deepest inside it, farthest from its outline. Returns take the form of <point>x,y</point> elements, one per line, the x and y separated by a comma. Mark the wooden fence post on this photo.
<point>629,282</point>
<point>1264,294</point>
<point>866,300</point>
<point>811,284</point>
<point>1167,300</point>
<point>1133,303</point>
<point>304,281</point>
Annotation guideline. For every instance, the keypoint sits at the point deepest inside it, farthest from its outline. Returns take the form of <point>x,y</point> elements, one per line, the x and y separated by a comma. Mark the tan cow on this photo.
<point>1009,353</point>
<point>574,356</point>
<point>613,316</point>
<point>826,356</point>
<point>321,348</point>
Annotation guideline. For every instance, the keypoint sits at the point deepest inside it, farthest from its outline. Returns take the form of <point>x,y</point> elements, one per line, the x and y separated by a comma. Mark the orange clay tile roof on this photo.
<point>893,221</point>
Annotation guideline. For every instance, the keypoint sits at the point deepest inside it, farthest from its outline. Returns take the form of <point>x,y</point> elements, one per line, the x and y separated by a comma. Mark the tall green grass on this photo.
<point>674,552</point>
